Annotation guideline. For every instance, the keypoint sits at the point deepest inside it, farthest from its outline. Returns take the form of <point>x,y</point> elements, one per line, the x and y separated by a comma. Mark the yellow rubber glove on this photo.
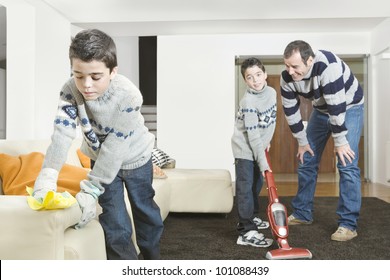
<point>52,200</point>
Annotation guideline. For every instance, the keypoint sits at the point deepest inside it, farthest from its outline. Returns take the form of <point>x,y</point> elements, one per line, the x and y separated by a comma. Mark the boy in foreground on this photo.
<point>107,106</point>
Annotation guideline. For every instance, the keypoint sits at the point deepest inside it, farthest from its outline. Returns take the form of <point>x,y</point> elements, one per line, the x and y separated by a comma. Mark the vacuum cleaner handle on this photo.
<point>269,178</point>
<point>268,158</point>
<point>277,215</point>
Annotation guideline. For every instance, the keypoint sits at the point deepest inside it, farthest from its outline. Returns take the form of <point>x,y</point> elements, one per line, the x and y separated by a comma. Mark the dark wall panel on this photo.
<point>148,69</point>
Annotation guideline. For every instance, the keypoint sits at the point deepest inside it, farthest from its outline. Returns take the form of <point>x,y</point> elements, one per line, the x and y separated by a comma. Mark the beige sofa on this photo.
<point>28,234</point>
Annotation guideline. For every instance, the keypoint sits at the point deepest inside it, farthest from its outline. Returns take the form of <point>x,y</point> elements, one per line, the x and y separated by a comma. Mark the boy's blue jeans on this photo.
<point>249,182</point>
<point>115,219</point>
<point>318,132</point>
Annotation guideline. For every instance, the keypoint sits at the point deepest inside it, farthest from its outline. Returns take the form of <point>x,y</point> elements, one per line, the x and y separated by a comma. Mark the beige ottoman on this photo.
<point>200,190</point>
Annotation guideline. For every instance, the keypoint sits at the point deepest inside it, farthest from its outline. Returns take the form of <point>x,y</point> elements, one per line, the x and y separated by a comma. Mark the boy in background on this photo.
<point>253,132</point>
<point>107,106</point>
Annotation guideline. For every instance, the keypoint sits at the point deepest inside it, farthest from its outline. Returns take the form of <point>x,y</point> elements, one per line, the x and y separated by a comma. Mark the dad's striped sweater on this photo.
<point>333,89</point>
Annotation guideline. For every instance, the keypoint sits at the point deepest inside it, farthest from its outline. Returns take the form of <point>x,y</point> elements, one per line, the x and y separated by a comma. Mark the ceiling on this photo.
<point>168,17</point>
<point>171,17</point>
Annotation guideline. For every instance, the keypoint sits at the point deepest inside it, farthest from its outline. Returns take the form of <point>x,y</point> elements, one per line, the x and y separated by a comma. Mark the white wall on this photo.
<point>52,67</point>
<point>380,39</point>
<point>196,88</point>
<point>37,66</point>
<point>20,68</point>
<point>379,125</point>
<point>378,111</point>
<point>127,55</point>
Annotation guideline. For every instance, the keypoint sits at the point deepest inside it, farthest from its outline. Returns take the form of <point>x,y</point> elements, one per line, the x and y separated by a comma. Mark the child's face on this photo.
<point>255,78</point>
<point>92,78</point>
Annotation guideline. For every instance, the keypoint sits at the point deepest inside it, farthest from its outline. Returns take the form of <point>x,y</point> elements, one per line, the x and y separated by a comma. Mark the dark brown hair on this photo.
<point>93,44</point>
<point>250,62</point>
<point>299,46</point>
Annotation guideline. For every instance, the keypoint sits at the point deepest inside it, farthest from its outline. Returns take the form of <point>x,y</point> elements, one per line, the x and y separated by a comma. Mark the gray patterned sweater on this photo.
<point>255,125</point>
<point>114,134</point>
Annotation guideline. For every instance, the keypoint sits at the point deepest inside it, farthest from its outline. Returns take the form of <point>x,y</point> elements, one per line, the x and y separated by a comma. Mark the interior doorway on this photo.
<point>284,146</point>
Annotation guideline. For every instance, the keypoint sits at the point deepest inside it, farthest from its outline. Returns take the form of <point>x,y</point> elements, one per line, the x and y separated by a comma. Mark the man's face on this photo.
<point>255,78</point>
<point>296,67</point>
<point>92,78</point>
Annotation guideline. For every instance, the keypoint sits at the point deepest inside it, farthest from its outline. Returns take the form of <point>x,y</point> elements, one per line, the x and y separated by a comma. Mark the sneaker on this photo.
<point>255,239</point>
<point>260,223</point>
<point>343,234</point>
<point>295,221</point>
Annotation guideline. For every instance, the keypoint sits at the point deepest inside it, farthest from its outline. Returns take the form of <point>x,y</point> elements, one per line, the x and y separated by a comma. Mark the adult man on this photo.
<point>338,110</point>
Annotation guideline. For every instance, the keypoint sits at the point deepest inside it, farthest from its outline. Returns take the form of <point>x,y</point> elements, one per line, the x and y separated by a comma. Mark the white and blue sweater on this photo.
<point>333,89</point>
<point>114,134</point>
<point>255,126</point>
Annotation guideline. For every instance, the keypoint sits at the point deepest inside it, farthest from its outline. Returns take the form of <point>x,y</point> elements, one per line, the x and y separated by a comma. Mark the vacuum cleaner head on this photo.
<point>277,215</point>
<point>288,254</point>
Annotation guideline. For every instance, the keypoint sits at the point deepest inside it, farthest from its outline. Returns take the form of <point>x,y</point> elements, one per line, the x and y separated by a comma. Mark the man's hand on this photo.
<point>87,198</point>
<point>345,152</point>
<point>45,182</point>
<point>302,150</point>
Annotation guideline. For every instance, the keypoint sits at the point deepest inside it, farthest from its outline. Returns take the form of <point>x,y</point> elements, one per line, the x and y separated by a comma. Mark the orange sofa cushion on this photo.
<point>17,172</point>
<point>84,159</point>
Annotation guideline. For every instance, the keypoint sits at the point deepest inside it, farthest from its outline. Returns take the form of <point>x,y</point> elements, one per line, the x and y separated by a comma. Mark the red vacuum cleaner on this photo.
<point>277,215</point>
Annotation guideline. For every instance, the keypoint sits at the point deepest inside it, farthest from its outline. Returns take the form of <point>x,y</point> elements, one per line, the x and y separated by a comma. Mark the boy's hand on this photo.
<point>46,181</point>
<point>87,205</point>
<point>263,172</point>
<point>87,198</point>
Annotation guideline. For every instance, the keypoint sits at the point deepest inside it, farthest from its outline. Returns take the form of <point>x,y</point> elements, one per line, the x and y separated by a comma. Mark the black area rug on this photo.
<point>213,236</point>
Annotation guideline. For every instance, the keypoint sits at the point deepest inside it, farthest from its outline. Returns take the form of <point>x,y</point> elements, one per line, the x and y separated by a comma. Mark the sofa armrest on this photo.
<point>28,234</point>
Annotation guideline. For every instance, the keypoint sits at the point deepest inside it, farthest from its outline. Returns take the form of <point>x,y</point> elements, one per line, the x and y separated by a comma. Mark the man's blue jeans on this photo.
<point>249,182</point>
<point>115,219</point>
<point>318,132</point>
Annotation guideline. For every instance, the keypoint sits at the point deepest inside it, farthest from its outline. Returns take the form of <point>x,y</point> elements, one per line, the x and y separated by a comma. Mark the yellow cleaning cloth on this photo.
<point>52,200</point>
